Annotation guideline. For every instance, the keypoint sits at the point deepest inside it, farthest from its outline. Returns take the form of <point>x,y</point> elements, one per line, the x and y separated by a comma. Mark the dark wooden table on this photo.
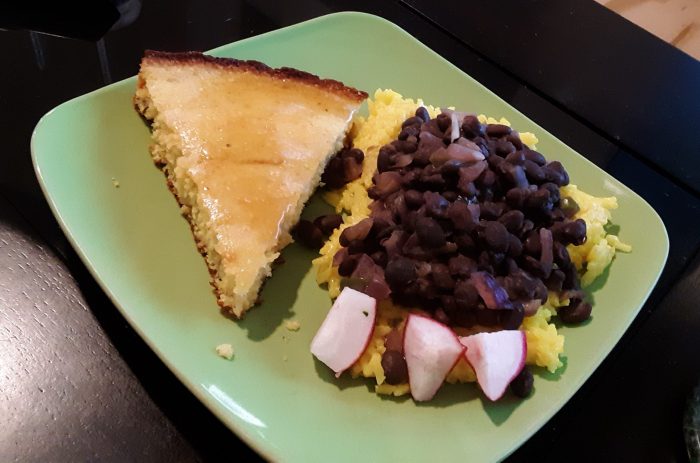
<point>78,384</point>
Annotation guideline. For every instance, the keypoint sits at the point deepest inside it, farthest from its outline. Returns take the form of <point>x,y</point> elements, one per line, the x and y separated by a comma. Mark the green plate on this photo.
<point>273,394</point>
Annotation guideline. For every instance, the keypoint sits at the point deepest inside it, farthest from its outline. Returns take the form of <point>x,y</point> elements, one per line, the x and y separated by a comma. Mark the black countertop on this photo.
<point>77,383</point>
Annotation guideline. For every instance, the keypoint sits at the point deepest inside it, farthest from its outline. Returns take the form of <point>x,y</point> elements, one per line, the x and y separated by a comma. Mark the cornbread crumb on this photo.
<point>115,182</point>
<point>293,325</point>
<point>225,351</point>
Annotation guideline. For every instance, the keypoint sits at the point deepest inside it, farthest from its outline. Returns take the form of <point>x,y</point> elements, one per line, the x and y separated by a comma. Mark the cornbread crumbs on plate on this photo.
<point>292,325</point>
<point>545,345</point>
<point>225,351</point>
<point>115,182</point>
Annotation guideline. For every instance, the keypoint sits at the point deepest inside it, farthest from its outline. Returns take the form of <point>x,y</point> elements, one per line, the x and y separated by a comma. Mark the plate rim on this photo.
<point>258,444</point>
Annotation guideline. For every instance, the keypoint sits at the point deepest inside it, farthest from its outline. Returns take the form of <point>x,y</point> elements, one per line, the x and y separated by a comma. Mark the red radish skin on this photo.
<point>346,332</point>
<point>497,358</point>
<point>431,350</point>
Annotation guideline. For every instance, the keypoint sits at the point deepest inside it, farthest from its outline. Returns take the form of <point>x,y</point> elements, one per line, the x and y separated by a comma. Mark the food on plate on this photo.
<point>458,222</point>
<point>292,325</point>
<point>225,351</point>
<point>243,146</point>
<point>344,334</point>
<point>430,350</point>
<point>497,358</point>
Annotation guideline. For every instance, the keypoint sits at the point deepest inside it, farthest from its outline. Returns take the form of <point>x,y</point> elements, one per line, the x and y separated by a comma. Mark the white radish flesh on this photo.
<point>496,358</point>
<point>431,350</point>
<point>344,334</point>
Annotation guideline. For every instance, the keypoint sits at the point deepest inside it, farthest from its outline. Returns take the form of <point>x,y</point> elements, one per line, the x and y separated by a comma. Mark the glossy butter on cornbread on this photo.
<point>243,147</point>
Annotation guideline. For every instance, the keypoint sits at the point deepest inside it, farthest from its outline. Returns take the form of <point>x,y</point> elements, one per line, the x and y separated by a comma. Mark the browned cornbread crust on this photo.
<point>188,108</point>
<point>255,66</point>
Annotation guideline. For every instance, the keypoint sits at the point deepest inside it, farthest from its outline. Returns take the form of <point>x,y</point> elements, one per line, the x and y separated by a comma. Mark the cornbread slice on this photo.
<point>243,147</point>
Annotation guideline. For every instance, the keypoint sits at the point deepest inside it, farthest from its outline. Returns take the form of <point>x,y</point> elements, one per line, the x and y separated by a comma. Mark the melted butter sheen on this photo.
<point>252,145</point>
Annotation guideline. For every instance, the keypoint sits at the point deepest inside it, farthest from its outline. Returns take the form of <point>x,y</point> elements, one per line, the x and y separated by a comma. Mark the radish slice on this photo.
<point>496,358</point>
<point>346,331</point>
<point>431,350</point>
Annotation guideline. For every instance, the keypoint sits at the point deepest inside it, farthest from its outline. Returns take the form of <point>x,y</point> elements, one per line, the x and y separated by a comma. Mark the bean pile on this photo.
<point>467,223</point>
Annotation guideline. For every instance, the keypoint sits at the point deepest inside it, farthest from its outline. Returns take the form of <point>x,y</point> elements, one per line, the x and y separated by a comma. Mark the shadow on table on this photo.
<point>192,420</point>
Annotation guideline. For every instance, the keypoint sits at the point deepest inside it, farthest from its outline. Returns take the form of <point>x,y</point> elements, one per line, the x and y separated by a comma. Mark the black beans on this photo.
<point>400,271</point>
<point>491,210</point>
<point>487,317</point>
<point>429,232</point>
<point>384,158</point>
<point>495,236</point>
<point>486,179</point>
<point>555,281</point>
<point>461,218</point>
<point>516,157</point>
<point>436,206</point>
<point>569,206</point>
<point>553,191</point>
<point>347,266</point>
<point>357,232</point>
<point>471,127</point>
<point>555,172</point>
<point>328,223</point>
<point>516,197</point>
<point>415,121</point>
<point>461,265</point>
<point>503,147</point>
<point>539,199</point>
<point>394,340</point>
<point>495,161</point>
<point>380,258</point>
<point>408,145</point>
<point>521,386</point>
<point>497,130</point>
<point>394,366</point>
<point>354,153</point>
<point>561,254</point>
<point>466,295</point>
<point>511,319</point>
<point>576,312</point>
<point>535,157</point>
<point>450,196</point>
<point>450,208</point>
<point>563,176</point>
<point>385,184</point>
<point>308,234</point>
<point>515,246</point>
<point>344,167</point>
<point>443,121</point>
<point>512,220</point>
<point>440,274</point>
<point>532,245</point>
<point>422,112</point>
<point>413,198</point>
<point>570,232</point>
<point>408,131</point>
<point>533,172</point>
<point>514,138</point>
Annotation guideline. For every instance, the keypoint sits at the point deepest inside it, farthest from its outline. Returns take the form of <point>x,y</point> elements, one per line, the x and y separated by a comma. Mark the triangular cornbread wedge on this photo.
<point>243,147</point>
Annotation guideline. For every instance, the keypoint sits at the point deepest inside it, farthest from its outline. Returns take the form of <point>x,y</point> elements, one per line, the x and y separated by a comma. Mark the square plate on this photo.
<point>274,395</point>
